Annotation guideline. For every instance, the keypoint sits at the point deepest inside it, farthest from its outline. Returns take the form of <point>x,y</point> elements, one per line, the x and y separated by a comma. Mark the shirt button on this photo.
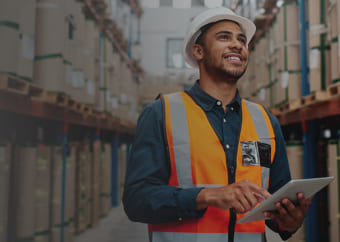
<point>232,170</point>
<point>232,108</point>
<point>224,120</point>
<point>180,219</point>
<point>219,103</point>
<point>227,146</point>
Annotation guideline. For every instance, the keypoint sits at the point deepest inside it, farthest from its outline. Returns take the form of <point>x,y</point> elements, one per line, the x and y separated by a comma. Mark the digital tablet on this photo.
<point>307,186</point>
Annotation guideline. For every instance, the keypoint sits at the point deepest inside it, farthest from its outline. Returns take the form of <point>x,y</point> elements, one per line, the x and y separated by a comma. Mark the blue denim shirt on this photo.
<point>147,196</point>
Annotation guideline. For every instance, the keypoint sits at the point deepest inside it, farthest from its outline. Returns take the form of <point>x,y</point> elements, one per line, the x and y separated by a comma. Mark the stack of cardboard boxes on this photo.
<point>36,172</point>
<point>54,45</point>
<point>277,54</point>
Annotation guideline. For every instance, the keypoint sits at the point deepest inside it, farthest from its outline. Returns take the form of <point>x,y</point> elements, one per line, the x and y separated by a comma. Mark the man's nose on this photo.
<point>236,44</point>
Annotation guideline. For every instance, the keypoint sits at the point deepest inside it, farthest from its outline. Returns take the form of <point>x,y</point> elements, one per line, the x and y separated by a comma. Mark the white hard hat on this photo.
<point>211,16</point>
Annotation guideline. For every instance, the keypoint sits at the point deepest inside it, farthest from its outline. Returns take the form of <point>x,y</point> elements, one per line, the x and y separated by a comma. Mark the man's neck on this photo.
<point>221,90</point>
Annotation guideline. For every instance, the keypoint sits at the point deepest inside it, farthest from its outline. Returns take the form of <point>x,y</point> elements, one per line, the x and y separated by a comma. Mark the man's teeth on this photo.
<point>234,58</point>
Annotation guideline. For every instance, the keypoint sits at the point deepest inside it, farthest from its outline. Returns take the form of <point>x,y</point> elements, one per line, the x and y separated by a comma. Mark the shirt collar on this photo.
<point>208,102</point>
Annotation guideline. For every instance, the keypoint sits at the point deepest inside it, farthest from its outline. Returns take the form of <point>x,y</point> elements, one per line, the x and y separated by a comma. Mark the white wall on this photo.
<point>156,26</point>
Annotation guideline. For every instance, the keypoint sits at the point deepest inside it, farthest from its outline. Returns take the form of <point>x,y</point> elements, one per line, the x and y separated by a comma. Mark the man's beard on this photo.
<point>230,76</point>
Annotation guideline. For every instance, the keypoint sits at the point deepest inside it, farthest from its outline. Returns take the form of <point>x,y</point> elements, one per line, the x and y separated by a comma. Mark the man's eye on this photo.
<point>224,37</point>
<point>243,41</point>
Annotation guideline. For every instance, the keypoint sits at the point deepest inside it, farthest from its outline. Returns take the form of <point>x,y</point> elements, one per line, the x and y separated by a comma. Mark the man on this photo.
<point>248,149</point>
<point>186,176</point>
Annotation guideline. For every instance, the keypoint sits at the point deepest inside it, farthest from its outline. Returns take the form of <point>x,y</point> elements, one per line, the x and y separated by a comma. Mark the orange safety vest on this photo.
<point>198,160</point>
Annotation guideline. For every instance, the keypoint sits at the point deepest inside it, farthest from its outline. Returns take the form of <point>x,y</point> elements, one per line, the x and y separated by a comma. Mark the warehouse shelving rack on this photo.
<point>307,117</point>
<point>25,109</point>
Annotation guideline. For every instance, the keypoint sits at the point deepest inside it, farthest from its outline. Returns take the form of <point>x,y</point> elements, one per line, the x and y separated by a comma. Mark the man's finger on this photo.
<point>290,207</point>
<point>280,209</point>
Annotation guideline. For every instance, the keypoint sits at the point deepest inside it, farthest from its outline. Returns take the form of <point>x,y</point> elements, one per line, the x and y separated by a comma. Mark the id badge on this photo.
<point>250,154</point>
<point>255,153</point>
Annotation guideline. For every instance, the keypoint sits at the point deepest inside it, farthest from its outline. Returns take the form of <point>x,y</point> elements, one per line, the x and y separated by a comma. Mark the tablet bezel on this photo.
<point>307,186</point>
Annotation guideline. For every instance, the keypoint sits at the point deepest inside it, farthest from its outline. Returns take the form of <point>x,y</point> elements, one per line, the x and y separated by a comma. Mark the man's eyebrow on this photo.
<point>228,32</point>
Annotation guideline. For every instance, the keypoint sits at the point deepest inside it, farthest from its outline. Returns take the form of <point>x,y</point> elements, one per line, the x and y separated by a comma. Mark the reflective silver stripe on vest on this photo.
<point>203,186</point>
<point>205,237</point>
<point>262,133</point>
<point>180,136</point>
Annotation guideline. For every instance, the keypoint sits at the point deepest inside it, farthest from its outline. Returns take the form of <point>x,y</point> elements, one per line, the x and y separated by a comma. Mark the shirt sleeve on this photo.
<point>279,172</point>
<point>147,196</point>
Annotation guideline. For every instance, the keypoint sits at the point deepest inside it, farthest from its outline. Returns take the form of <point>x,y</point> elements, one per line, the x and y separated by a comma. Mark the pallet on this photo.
<point>57,98</point>
<point>284,107</point>
<point>36,93</point>
<point>13,84</point>
<point>71,103</point>
<point>87,109</point>
<point>334,90</point>
<point>295,104</point>
<point>317,96</point>
<point>275,111</point>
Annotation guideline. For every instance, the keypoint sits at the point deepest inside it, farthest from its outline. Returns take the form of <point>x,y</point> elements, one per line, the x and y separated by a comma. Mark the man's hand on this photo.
<point>241,196</point>
<point>288,216</point>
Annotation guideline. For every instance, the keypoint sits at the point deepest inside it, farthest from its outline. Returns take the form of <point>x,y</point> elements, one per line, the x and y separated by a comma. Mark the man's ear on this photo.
<point>198,52</point>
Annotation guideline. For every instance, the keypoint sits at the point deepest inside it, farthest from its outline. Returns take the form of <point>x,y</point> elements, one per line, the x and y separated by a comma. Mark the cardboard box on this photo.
<point>334,35</point>
<point>279,93</point>
<point>25,173</point>
<point>70,192</point>
<point>89,54</point>
<point>95,184</point>
<point>315,26</point>
<point>50,74</point>
<point>42,193</point>
<point>294,86</point>
<point>9,10</point>
<point>292,20</point>
<point>50,29</point>
<point>295,158</point>
<point>56,193</point>
<point>88,186</point>
<point>5,156</point>
<point>9,49</point>
<point>105,193</point>
<point>27,13</point>
<point>335,74</point>
<point>315,65</point>
<point>293,57</point>
<point>122,169</point>
<point>333,199</point>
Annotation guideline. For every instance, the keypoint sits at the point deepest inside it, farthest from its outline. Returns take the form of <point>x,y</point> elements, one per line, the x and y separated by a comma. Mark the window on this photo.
<point>174,54</point>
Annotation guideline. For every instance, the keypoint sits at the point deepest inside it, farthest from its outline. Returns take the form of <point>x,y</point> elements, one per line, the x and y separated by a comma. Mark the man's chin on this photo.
<point>235,74</point>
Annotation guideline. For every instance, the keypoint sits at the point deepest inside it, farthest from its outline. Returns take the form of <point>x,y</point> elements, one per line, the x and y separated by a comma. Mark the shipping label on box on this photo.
<point>114,101</point>
<point>42,163</point>
<point>285,79</point>
<point>262,94</point>
<point>78,79</point>
<point>27,46</point>
<point>90,87</point>
<point>314,58</point>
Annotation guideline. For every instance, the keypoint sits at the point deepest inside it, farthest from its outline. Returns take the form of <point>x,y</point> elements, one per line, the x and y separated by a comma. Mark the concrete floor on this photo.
<point>115,227</point>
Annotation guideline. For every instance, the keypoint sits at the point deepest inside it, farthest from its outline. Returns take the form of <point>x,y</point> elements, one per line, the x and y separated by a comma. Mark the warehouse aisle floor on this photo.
<point>115,227</point>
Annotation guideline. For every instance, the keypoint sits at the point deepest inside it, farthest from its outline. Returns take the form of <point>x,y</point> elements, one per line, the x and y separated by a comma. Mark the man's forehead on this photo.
<point>228,24</point>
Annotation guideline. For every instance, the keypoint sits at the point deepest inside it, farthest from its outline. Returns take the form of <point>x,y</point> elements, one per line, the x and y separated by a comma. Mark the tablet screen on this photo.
<point>307,186</point>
